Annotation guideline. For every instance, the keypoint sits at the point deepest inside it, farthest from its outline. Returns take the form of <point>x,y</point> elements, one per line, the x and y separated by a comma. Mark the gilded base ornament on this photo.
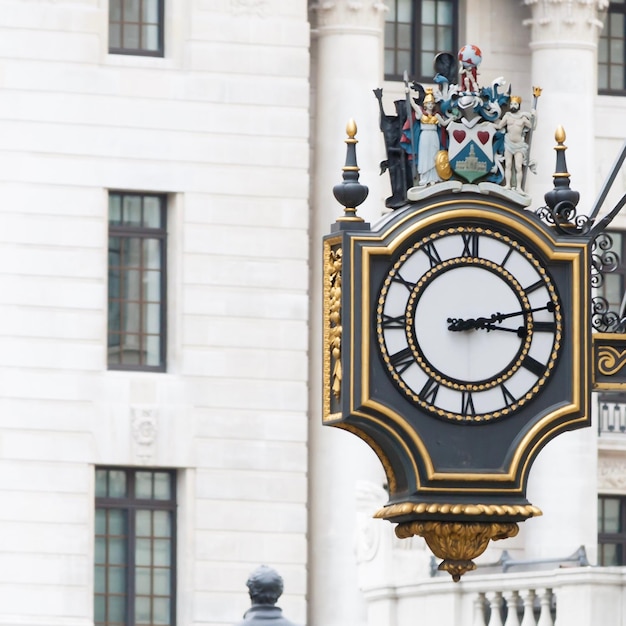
<point>457,543</point>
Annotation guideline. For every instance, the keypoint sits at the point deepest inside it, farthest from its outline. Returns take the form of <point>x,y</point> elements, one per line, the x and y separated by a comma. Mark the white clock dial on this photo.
<point>469,324</point>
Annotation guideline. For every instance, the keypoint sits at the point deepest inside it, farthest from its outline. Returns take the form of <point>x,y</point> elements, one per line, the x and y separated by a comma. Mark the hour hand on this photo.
<point>469,324</point>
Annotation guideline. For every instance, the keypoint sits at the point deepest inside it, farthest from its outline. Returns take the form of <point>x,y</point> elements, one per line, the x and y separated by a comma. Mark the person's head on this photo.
<point>265,585</point>
<point>429,100</point>
<point>516,102</point>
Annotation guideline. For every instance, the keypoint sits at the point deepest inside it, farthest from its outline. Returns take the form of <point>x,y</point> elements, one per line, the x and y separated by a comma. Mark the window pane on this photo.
<point>611,515</point>
<point>617,51</point>
<point>143,523</point>
<point>117,522</point>
<point>616,76</point>
<point>152,212</point>
<point>428,42</point>
<point>610,554</point>
<point>161,552</point>
<point>117,484</point>
<point>115,210</point>
<point>162,582</point>
<point>131,252</point>
<point>152,253</point>
<point>161,524</point>
<point>444,13</point>
<point>115,36</point>
<point>405,11</point>
<point>131,317</point>
<point>101,522</point>
<point>444,38</point>
<point>143,552</point>
<point>150,37</point>
<point>404,36</point>
<point>100,551</point>
<point>142,611</point>
<point>162,486</point>
<point>152,318</point>
<point>150,11</point>
<point>131,37</point>
<point>99,608</point>
<point>117,607</point>
<point>428,11</point>
<point>404,61</point>
<point>132,285</point>
<point>131,10</point>
<point>161,609</point>
<point>143,581</point>
<point>101,483</point>
<point>132,211</point>
<point>117,579</point>
<point>117,551</point>
<point>152,286</point>
<point>143,485</point>
<point>153,350</point>
<point>99,580</point>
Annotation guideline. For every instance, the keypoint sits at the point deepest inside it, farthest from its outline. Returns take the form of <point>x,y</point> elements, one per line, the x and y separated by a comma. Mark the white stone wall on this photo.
<point>221,125</point>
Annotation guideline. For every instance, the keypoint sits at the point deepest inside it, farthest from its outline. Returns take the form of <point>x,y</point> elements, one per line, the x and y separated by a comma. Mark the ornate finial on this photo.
<point>561,200</point>
<point>350,193</point>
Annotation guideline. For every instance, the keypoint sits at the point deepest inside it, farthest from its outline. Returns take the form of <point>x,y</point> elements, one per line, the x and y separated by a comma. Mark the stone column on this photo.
<point>563,45</point>
<point>347,66</point>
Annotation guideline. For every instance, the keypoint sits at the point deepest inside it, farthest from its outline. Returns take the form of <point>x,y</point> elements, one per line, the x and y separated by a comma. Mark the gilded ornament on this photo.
<point>610,360</point>
<point>457,543</point>
<point>334,318</point>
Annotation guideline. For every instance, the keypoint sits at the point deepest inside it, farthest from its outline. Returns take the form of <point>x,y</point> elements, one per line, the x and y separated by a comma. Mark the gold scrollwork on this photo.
<point>610,360</point>
<point>457,543</point>
<point>334,316</point>
<point>436,508</point>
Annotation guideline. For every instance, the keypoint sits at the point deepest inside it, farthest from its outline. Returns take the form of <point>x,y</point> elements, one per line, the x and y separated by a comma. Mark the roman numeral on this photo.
<point>470,244</point>
<point>534,286</point>
<point>544,327</point>
<point>533,366</point>
<point>429,391</point>
<point>398,278</point>
<point>509,398</point>
<point>393,322</point>
<point>402,360</point>
<point>431,252</point>
<point>467,403</point>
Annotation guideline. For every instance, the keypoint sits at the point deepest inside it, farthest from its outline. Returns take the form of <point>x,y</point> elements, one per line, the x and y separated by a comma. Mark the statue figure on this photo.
<point>517,123</point>
<point>426,135</point>
<point>397,163</point>
<point>265,586</point>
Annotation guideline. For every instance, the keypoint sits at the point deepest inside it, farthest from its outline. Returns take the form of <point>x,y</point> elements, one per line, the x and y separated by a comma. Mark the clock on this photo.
<point>469,323</point>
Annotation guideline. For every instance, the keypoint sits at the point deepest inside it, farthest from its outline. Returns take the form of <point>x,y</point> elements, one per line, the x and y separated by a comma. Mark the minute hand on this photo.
<point>458,324</point>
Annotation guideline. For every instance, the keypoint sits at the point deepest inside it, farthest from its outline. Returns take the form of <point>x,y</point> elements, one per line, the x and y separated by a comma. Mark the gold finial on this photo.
<point>559,135</point>
<point>536,91</point>
<point>351,128</point>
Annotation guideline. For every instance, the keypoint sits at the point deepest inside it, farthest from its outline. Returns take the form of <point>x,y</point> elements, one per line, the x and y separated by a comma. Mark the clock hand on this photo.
<point>488,323</point>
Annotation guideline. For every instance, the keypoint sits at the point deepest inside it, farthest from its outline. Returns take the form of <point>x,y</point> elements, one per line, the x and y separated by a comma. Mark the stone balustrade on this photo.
<point>576,596</point>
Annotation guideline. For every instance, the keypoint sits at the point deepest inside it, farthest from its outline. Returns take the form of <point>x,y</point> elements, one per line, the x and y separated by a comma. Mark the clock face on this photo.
<point>469,324</point>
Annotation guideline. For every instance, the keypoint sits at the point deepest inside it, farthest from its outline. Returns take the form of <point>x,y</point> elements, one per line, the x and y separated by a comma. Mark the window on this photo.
<point>136,324</point>
<point>415,31</point>
<point>136,27</point>
<point>611,530</point>
<point>134,577</point>
<point>611,49</point>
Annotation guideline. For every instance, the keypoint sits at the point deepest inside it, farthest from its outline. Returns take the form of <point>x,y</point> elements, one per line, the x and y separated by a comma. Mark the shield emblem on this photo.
<point>470,150</point>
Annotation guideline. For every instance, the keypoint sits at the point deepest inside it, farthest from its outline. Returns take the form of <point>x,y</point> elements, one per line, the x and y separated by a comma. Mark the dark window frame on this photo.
<point>131,504</point>
<point>606,37</point>
<point>417,48</point>
<point>140,24</point>
<point>125,233</point>
<point>617,539</point>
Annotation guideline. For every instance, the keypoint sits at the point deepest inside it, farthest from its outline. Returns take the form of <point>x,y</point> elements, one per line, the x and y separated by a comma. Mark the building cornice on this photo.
<point>333,14</point>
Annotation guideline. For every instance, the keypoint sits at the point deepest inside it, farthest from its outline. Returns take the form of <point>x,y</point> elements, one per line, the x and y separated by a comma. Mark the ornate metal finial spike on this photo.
<point>350,193</point>
<point>561,200</point>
